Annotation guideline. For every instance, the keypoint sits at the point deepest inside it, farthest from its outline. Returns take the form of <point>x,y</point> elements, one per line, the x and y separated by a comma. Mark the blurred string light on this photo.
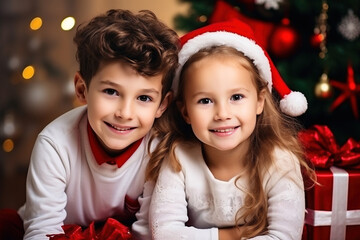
<point>28,72</point>
<point>323,88</point>
<point>36,23</point>
<point>14,62</point>
<point>67,23</point>
<point>8,145</point>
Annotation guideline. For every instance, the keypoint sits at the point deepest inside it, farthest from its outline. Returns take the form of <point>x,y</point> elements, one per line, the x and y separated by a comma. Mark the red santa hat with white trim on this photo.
<point>239,35</point>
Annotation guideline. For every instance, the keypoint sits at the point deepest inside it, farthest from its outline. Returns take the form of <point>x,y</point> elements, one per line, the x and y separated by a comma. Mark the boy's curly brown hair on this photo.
<point>140,40</point>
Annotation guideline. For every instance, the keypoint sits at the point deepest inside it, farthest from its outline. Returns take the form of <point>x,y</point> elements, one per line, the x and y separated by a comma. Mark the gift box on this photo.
<point>332,205</point>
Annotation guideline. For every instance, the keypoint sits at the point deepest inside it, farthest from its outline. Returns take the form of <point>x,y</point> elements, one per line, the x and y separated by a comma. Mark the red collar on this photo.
<point>102,157</point>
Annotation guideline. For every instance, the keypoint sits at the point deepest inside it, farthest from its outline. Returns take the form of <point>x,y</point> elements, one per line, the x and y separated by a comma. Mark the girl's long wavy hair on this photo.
<point>273,130</point>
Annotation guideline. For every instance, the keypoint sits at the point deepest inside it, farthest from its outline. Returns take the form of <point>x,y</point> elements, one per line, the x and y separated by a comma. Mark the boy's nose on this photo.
<point>124,110</point>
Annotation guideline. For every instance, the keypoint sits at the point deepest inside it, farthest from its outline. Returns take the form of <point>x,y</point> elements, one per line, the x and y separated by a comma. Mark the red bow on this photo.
<point>322,150</point>
<point>112,230</point>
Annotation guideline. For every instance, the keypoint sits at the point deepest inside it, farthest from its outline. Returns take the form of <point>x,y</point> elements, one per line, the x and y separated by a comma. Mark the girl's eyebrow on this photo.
<point>230,91</point>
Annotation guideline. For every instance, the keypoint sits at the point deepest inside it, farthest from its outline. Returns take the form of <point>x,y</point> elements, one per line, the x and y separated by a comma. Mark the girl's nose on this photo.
<point>222,112</point>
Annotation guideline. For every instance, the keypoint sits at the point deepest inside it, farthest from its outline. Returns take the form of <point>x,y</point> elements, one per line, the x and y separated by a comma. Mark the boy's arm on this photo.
<point>140,228</point>
<point>44,210</point>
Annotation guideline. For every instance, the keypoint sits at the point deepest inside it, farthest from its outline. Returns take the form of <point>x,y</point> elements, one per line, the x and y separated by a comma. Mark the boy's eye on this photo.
<point>236,97</point>
<point>144,98</point>
<point>204,101</point>
<point>110,91</point>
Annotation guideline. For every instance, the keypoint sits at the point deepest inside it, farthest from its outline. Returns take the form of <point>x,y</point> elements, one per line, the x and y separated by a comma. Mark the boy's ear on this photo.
<point>164,104</point>
<point>80,88</point>
<point>181,106</point>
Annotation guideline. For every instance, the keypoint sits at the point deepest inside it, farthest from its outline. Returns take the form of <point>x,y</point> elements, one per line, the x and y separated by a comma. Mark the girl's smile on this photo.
<point>224,131</point>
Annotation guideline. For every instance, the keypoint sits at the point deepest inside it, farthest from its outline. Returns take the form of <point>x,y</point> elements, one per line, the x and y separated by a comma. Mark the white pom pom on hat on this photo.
<point>239,35</point>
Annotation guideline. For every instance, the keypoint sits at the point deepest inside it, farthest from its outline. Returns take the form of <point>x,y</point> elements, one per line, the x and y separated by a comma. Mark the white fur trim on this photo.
<point>242,44</point>
<point>294,104</point>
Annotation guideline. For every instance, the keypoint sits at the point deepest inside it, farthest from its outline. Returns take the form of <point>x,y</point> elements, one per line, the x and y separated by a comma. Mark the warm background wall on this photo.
<point>26,106</point>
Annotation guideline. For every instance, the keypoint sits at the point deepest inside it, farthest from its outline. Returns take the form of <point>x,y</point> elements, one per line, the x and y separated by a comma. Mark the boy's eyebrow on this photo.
<point>151,90</point>
<point>145,90</point>
<point>109,83</point>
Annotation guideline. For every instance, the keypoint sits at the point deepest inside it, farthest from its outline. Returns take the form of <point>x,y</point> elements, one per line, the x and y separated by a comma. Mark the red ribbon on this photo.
<point>112,230</point>
<point>323,151</point>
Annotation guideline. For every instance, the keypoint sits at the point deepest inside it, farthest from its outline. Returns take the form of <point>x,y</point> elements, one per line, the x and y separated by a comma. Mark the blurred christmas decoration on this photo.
<point>34,86</point>
<point>36,23</point>
<point>349,90</point>
<point>320,30</point>
<point>323,88</point>
<point>10,126</point>
<point>284,40</point>
<point>349,26</point>
<point>311,43</point>
<point>68,23</point>
<point>269,4</point>
<point>39,97</point>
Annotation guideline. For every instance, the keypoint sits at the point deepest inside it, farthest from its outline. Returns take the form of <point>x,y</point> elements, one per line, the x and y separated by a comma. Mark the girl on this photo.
<point>234,166</point>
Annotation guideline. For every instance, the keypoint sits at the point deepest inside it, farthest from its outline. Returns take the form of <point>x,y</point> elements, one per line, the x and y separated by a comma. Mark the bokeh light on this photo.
<point>8,145</point>
<point>28,72</point>
<point>36,23</point>
<point>68,23</point>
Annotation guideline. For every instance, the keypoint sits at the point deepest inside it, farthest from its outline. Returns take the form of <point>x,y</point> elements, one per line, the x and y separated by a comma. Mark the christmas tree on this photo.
<point>314,44</point>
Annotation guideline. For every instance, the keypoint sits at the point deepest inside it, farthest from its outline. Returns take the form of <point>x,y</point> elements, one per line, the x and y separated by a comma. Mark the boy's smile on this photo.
<point>122,105</point>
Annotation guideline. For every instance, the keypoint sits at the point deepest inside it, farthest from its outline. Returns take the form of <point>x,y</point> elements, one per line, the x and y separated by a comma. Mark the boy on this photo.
<point>89,164</point>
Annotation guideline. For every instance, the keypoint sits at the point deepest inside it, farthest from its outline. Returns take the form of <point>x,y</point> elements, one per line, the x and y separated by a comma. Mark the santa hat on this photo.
<point>240,36</point>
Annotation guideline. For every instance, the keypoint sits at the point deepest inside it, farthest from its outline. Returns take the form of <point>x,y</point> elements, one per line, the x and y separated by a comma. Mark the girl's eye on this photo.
<point>236,97</point>
<point>144,98</point>
<point>111,92</point>
<point>204,101</point>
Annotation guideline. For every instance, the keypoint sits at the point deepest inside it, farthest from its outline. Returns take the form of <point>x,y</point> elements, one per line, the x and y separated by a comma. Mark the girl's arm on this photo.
<point>168,210</point>
<point>286,202</point>
<point>285,211</point>
<point>140,228</point>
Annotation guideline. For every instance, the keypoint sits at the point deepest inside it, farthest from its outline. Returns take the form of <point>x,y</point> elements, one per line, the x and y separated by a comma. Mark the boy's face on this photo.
<point>122,105</point>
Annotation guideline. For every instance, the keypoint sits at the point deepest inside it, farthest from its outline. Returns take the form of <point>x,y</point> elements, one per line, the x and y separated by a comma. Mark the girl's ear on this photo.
<point>182,107</point>
<point>164,104</point>
<point>261,102</point>
<point>80,88</point>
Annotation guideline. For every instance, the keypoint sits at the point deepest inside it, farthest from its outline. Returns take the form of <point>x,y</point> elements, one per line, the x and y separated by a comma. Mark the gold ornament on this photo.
<point>323,88</point>
<point>202,18</point>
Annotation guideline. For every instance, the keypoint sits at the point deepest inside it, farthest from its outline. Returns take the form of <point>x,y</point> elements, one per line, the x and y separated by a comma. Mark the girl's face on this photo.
<point>221,101</point>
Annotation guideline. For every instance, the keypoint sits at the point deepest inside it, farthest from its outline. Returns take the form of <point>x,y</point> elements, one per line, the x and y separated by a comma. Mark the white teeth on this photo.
<point>120,129</point>
<point>224,130</point>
